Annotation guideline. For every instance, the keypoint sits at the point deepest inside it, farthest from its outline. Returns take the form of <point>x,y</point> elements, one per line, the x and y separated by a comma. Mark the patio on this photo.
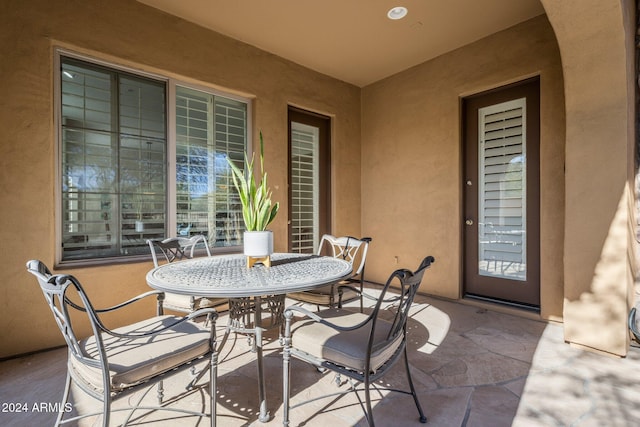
<point>473,367</point>
<point>397,139</point>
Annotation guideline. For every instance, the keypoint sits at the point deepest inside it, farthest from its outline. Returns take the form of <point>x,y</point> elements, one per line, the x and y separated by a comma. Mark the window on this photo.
<point>124,178</point>
<point>209,129</point>
<point>502,195</point>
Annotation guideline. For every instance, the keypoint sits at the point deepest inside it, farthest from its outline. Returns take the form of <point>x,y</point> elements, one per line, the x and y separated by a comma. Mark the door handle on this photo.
<point>469,222</point>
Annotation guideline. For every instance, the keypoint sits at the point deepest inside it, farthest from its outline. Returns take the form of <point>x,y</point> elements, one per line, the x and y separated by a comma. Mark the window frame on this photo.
<point>170,83</point>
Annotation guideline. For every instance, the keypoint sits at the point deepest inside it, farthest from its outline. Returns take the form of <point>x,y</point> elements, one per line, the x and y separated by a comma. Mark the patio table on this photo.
<point>227,276</point>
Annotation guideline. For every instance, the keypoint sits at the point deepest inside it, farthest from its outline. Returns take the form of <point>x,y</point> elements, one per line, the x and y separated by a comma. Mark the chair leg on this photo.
<point>160,392</point>
<point>423,418</point>
<point>367,396</point>
<point>65,397</point>
<point>106,412</point>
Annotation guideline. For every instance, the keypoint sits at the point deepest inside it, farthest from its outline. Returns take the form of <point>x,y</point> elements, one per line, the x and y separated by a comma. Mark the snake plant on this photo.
<point>257,209</point>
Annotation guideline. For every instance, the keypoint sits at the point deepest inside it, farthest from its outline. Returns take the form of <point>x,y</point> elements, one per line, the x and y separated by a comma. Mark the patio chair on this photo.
<point>359,346</point>
<point>633,325</point>
<point>112,363</point>
<point>349,248</point>
<point>176,249</point>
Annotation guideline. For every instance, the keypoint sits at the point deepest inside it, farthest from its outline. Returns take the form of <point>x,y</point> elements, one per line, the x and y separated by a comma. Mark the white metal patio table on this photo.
<point>227,276</point>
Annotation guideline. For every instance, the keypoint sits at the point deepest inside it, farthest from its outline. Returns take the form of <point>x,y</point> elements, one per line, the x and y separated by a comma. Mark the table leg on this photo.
<point>262,395</point>
<point>240,310</point>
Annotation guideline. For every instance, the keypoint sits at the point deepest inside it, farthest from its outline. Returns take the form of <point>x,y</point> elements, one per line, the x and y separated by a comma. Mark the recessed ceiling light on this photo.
<point>397,12</point>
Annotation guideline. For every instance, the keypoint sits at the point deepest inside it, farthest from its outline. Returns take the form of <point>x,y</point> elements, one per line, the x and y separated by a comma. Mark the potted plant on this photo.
<point>257,209</point>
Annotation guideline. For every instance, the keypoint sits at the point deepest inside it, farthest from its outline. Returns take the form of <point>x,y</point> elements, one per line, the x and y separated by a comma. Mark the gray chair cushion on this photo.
<point>132,361</point>
<point>344,348</point>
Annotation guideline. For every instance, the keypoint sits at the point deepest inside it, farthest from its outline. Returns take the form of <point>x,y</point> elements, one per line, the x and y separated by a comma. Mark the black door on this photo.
<point>501,194</point>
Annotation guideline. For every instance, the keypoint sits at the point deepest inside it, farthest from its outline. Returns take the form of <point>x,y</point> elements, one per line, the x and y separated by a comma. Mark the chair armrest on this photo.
<point>365,295</point>
<point>115,307</point>
<point>211,314</point>
<point>130,301</point>
<point>304,311</point>
<point>362,294</point>
<point>288,316</point>
<point>341,289</point>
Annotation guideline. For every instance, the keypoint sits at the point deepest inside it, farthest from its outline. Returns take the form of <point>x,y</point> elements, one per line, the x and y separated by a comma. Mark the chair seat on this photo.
<point>323,295</point>
<point>132,361</point>
<point>344,348</point>
<point>183,302</point>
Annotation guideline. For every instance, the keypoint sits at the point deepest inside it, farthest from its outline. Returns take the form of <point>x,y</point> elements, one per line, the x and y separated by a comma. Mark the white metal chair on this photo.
<point>359,346</point>
<point>176,249</point>
<point>112,363</point>
<point>349,248</point>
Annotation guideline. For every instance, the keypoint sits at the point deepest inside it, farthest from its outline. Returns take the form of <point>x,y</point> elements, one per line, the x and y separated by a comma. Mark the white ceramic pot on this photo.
<point>258,243</point>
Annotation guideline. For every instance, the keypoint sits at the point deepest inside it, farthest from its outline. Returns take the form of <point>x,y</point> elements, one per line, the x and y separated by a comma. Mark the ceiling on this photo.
<point>353,40</point>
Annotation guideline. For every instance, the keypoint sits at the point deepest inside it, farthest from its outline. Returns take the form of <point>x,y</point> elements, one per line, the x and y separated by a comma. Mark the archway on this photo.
<point>596,41</point>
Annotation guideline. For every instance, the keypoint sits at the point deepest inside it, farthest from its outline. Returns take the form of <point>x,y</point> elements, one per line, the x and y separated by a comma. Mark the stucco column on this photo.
<point>596,46</point>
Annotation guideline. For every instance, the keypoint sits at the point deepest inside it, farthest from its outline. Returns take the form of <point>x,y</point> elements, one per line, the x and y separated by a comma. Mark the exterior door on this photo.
<point>501,195</point>
<point>309,180</point>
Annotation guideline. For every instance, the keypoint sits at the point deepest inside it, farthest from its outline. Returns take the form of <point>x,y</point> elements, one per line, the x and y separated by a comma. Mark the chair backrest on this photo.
<point>177,248</point>
<point>408,283</point>
<point>351,249</point>
<point>55,289</point>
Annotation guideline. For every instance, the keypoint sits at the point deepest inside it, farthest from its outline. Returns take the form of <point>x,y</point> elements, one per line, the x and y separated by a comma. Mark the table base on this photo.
<point>253,316</point>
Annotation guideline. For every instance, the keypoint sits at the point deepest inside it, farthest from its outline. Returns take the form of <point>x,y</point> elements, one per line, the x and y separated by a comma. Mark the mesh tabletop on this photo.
<point>228,275</point>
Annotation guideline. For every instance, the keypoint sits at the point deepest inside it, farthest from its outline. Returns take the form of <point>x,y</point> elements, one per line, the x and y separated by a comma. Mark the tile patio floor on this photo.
<point>472,367</point>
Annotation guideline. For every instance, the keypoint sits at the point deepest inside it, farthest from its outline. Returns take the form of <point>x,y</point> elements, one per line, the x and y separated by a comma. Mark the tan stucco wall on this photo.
<point>409,198</point>
<point>132,34</point>
<point>596,40</point>
<point>411,156</point>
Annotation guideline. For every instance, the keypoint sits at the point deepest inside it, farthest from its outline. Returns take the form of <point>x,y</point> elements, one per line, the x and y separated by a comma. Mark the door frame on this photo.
<point>492,288</point>
<point>323,123</point>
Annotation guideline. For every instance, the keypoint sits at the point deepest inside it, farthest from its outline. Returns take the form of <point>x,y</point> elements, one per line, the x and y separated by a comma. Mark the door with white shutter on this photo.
<point>501,194</point>
<point>309,178</point>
